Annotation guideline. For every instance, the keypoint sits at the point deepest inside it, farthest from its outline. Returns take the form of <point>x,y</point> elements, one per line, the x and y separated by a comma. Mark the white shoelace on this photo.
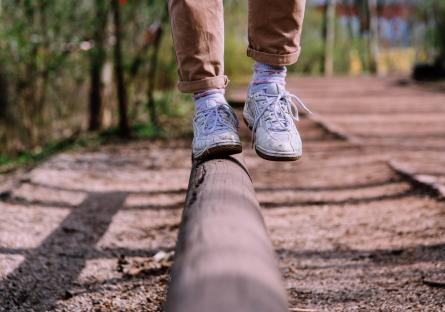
<point>275,110</point>
<point>219,118</point>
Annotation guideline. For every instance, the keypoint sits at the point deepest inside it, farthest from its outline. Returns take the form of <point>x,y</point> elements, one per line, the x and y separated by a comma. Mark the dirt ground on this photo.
<point>358,224</point>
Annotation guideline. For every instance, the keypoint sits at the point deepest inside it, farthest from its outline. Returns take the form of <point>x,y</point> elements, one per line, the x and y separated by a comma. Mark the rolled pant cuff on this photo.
<point>274,59</point>
<point>218,82</point>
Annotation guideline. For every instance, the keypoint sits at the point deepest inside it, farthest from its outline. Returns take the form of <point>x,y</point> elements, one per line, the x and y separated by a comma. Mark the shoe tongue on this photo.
<point>210,101</point>
<point>272,88</point>
<point>269,88</point>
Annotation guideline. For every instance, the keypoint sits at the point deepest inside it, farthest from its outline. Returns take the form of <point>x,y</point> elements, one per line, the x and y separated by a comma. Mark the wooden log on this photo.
<point>224,260</point>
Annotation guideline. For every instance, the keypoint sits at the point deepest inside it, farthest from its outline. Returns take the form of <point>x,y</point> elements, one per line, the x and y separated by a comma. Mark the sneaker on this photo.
<point>215,128</point>
<point>270,113</point>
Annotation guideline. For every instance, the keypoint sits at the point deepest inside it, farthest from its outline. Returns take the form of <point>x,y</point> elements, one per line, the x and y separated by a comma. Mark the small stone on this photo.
<point>160,255</point>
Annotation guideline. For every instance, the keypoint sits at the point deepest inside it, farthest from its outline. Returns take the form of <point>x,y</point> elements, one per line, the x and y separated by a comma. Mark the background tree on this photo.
<point>329,36</point>
<point>157,31</point>
<point>373,42</point>
<point>119,70</point>
<point>97,60</point>
<point>438,30</point>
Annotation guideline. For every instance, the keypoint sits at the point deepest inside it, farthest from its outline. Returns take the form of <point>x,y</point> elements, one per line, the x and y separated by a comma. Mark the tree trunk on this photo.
<point>350,12</point>
<point>373,44</point>
<point>119,72</point>
<point>329,37</point>
<point>97,59</point>
<point>439,21</point>
<point>3,94</point>
<point>152,78</point>
<point>153,69</point>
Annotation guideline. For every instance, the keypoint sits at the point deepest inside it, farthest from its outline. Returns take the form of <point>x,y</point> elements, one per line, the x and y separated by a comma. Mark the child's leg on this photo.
<point>274,42</point>
<point>198,35</point>
<point>274,31</point>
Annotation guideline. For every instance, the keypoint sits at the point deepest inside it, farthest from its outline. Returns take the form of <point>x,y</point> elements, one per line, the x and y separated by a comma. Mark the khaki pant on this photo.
<point>198,35</point>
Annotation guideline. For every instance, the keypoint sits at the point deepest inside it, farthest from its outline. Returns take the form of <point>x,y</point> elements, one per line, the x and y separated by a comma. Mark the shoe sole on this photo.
<point>220,151</point>
<point>269,156</point>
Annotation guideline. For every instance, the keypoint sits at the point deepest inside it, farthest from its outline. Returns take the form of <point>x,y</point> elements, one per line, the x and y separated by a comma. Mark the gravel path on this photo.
<point>358,224</point>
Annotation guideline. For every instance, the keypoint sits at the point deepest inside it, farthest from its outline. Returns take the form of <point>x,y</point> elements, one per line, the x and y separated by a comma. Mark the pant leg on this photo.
<point>274,30</point>
<point>198,36</point>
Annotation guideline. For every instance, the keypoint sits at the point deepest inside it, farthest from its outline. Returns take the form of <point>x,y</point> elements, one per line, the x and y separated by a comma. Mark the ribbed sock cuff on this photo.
<point>209,97</point>
<point>264,73</point>
<point>198,95</point>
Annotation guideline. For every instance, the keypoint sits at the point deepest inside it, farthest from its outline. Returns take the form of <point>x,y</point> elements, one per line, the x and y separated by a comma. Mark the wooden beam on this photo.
<point>224,260</point>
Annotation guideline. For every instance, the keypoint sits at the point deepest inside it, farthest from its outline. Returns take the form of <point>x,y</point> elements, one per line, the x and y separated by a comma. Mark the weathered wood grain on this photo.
<point>224,259</point>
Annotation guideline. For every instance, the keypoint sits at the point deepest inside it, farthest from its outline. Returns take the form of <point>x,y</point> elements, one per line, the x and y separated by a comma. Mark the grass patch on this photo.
<point>141,130</point>
<point>27,158</point>
<point>86,140</point>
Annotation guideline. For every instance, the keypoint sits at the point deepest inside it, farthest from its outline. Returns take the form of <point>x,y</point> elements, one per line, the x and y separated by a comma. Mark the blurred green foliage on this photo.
<point>31,156</point>
<point>45,62</point>
<point>432,12</point>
